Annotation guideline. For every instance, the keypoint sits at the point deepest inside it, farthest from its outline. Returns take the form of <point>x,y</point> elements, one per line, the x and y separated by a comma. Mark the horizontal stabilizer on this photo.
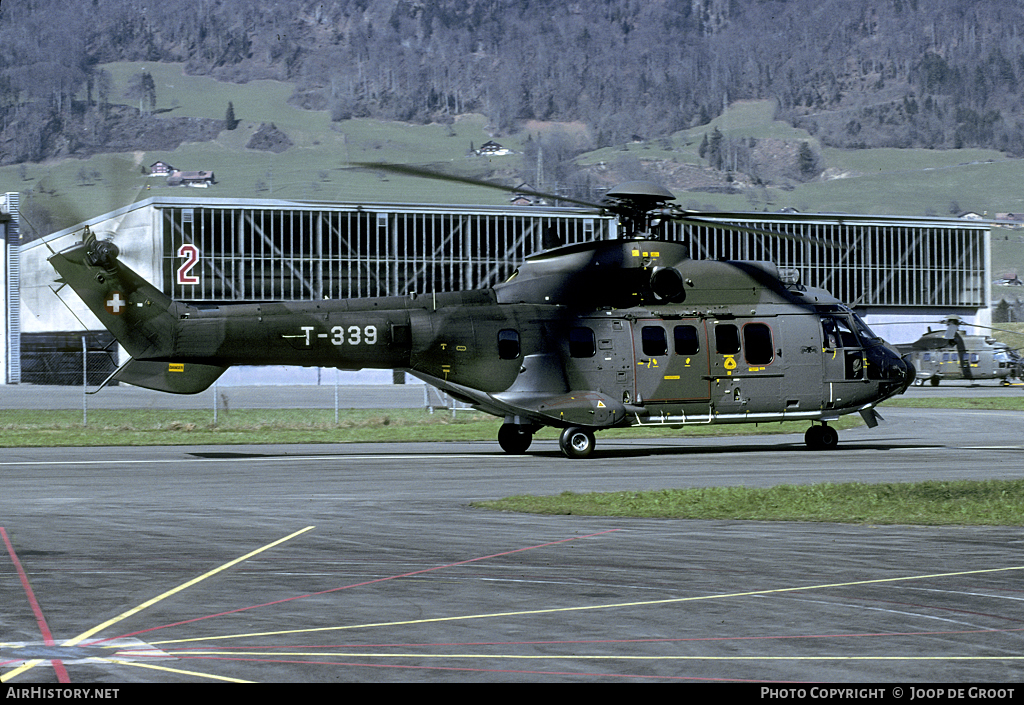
<point>174,377</point>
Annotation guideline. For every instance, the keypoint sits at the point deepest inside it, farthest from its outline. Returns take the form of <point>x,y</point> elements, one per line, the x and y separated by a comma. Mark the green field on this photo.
<point>317,167</point>
<point>909,182</point>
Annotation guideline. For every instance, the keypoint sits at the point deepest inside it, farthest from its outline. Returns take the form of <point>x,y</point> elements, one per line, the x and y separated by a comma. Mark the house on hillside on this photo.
<point>523,196</point>
<point>1015,218</point>
<point>493,149</point>
<point>198,179</point>
<point>161,168</point>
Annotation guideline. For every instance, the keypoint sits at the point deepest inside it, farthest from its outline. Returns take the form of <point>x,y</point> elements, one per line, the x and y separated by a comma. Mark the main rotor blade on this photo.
<point>963,324</point>
<point>702,220</point>
<point>424,173</point>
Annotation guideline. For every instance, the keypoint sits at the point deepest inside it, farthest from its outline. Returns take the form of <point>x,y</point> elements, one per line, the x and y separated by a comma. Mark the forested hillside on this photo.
<point>898,73</point>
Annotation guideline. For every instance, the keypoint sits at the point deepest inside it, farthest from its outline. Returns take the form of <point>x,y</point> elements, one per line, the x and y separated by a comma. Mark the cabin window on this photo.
<point>653,340</point>
<point>757,344</point>
<point>727,339</point>
<point>582,342</point>
<point>686,340</point>
<point>508,344</point>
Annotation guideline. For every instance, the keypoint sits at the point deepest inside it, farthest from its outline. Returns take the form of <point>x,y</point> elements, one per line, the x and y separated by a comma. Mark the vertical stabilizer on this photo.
<point>142,318</point>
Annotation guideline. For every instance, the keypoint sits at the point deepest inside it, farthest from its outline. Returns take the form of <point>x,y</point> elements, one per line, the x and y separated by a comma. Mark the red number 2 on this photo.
<point>191,255</point>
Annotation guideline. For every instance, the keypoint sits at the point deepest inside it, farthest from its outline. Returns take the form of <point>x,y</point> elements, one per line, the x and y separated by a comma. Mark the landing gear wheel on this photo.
<point>576,442</point>
<point>821,437</point>
<point>935,380</point>
<point>514,439</point>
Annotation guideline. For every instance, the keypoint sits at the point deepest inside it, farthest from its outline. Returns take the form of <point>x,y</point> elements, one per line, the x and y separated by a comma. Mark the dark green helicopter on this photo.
<point>581,337</point>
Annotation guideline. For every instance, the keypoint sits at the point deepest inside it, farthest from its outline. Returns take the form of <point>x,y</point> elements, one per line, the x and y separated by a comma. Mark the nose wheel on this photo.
<point>821,437</point>
<point>576,442</point>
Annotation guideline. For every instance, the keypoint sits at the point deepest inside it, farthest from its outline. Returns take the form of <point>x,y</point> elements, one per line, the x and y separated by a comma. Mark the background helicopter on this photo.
<point>582,337</point>
<point>951,354</point>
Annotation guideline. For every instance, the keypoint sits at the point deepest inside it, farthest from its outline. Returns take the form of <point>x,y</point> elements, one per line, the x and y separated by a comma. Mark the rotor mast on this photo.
<point>639,206</point>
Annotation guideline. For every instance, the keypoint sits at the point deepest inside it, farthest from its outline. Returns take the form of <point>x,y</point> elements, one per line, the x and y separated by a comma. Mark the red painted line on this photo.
<point>354,585</point>
<point>58,666</point>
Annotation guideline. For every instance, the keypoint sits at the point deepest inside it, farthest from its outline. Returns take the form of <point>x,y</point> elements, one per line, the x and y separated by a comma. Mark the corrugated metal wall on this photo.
<point>227,254</point>
<point>230,253</point>
<point>867,264</point>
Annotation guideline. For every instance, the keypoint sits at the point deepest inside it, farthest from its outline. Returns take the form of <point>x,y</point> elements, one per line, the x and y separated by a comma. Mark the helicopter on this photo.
<point>951,354</point>
<point>582,337</point>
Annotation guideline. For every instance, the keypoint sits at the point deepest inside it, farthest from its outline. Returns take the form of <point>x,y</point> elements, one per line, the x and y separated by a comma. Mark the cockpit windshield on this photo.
<point>842,328</point>
<point>865,333</point>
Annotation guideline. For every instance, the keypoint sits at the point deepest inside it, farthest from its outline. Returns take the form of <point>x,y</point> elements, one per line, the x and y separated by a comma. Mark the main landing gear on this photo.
<point>822,437</point>
<point>575,441</point>
<point>514,439</point>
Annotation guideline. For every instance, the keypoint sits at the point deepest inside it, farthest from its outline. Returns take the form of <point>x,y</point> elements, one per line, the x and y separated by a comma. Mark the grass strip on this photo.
<point>115,427</point>
<point>983,403</point>
<point>933,503</point>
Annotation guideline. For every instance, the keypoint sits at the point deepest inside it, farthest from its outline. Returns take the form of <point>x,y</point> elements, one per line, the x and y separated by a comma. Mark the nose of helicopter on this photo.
<point>894,371</point>
<point>898,370</point>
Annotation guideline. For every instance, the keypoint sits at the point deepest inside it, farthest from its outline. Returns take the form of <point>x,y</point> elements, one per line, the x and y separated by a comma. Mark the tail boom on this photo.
<point>175,347</point>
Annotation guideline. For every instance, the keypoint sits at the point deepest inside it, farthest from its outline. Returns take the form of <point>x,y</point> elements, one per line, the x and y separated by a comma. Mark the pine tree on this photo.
<point>229,119</point>
<point>807,162</point>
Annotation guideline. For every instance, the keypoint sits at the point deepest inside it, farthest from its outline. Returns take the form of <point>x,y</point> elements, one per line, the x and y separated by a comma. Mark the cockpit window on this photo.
<point>837,333</point>
<point>866,334</point>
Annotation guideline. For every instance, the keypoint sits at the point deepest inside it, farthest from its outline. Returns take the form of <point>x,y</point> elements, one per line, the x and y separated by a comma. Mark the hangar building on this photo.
<point>209,250</point>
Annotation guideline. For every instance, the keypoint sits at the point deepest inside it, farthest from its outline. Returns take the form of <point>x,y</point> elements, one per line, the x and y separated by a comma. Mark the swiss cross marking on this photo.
<point>115,303</point>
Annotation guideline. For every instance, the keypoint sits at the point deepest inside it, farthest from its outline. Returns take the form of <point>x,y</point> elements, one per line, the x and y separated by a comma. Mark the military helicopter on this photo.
<point>951,354</point>
<point>582,337</point>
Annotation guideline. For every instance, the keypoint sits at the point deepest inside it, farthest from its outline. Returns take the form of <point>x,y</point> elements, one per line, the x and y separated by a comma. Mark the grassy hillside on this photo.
<point>316,167</point>
<point>910,182</point>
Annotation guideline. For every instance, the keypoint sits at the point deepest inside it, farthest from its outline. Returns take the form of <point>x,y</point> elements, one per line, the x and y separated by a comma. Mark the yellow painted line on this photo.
<point>553,610</point>
<point>149,603</point>
<point>176,670</point>
<point>28,665</point>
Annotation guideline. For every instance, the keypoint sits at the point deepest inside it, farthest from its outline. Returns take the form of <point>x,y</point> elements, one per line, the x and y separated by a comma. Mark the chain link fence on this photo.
<point>65,372</point>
